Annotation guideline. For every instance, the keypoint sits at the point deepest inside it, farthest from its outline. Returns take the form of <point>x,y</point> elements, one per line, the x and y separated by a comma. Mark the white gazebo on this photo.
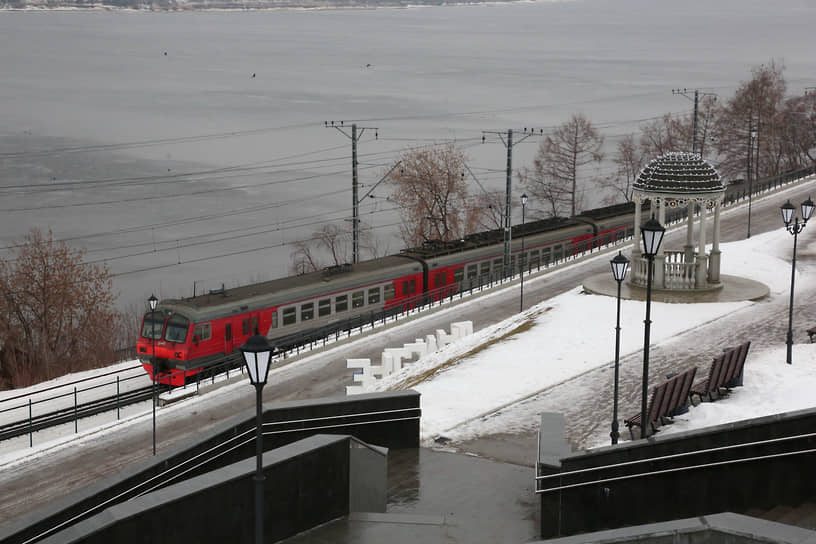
<point>673,180</point>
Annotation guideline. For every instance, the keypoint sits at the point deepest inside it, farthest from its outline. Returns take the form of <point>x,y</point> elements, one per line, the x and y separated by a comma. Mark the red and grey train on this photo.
<point>191,334</point>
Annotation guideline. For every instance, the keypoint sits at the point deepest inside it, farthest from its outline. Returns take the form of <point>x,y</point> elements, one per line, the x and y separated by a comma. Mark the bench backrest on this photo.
<point>741,355</point>
<point>716,373</point>
<point>729,366</point>
<point>685,390</point>
<point>656,403</point>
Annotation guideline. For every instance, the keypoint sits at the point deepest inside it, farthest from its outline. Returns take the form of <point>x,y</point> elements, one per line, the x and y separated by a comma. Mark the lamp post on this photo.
<point>751,177</point>
<point>619,265</point>
<point>153,301</point>
<point>522,259</point>
<point>652,232</point>
<point>257,354</point>
<point>795,229</point>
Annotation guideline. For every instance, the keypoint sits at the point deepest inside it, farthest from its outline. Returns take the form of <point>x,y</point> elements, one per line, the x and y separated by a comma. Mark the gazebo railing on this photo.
<point>677,273</point>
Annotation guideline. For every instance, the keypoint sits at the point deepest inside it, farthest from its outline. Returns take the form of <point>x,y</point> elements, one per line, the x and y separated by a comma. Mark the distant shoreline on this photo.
<point>251,5</point>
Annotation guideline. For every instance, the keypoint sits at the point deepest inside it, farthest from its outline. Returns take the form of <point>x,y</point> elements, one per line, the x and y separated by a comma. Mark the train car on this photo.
<point>191,334</point>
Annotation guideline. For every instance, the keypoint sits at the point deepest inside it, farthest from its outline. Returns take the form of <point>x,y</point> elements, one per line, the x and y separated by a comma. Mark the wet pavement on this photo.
<point>438,497</point>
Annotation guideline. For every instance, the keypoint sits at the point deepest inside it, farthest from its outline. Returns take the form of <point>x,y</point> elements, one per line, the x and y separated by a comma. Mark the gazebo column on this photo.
<point>702,261</point>
<point>688,250</point>
<point>660,258</point>
<point>714,259</point>
<point>637,275</point>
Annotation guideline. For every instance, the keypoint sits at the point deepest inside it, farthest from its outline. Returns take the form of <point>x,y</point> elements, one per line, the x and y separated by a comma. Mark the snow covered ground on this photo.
<point>558,340</point>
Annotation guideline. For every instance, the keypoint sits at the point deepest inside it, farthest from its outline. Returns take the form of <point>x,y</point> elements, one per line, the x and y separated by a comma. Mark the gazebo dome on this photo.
<point>679,173</point>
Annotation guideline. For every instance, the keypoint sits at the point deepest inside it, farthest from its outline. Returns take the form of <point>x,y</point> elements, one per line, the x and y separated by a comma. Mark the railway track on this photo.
<point>86,409</point>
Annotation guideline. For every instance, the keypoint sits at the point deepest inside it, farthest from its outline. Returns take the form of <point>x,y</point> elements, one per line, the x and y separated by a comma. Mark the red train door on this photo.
<point>228,338</point>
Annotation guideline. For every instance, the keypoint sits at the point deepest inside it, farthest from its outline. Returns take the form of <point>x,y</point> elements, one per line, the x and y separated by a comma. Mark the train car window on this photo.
<point>459,275</point>
<point>307,311</point>
<point>535,259</point>
<point>289,316</point>
<point>177,329</point>
<point>357,299</point>
<point>202,332</point>
<point>341,303</point>
<point>245,326</point>
<point>324,307</point>
<point>228,331</point>
<point>374,295</point>
<point>274,324</point>
<point>153,325</point>
<point>512,263</point>
<point>254,324</point>
<point>389,292</point>
<point>471,271</point>
<point>557,252</point>
<point>545,255</point>
<point>522,258</point>
<point>484,268</point>
<point>412,286</point>
<point>405,290</point>
<point>441,279</point>
<point>498,264</point>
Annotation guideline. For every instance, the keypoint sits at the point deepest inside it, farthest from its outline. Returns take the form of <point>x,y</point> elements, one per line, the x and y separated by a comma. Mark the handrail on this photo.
<point>677,455</point>
<point>677,469</point>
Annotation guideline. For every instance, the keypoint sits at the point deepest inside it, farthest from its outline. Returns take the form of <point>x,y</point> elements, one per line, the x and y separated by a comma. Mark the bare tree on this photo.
<point>753,108</point>
<point>56,312</point>
<point>660,136</point>
<point>430,189</point>
<point>554,176</point>
<point>303,258</point>
<point>628,160</point>
<point>492,206</point>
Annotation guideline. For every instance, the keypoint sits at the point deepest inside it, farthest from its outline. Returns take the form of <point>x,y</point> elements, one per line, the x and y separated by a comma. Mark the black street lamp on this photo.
<point>795,229</point>
<point>652,232</point>
<point>153,301</point>
<point>521,257</point>
<point>619,265</point>
<point>257,354</point>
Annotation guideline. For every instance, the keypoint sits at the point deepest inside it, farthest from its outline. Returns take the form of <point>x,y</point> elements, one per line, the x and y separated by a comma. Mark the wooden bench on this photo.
<point>811,333</point>
<point>724,369</point>
<point>666,399</point>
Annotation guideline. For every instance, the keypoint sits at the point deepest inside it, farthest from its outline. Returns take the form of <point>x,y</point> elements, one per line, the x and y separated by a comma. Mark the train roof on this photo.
<point>438,248</point>
<point>261,293</point>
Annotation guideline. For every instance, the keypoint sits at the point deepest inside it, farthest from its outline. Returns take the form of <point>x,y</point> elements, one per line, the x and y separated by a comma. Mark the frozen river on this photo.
<point>188,149</point>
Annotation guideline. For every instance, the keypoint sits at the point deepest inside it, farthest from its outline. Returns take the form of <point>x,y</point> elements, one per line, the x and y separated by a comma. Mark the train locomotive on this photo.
<point>189,335</point>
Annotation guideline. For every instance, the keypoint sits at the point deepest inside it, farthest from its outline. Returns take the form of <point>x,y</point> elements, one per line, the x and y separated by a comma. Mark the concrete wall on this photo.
<point>389,420</point>
<point>728,485</point>
<point>307,483</point>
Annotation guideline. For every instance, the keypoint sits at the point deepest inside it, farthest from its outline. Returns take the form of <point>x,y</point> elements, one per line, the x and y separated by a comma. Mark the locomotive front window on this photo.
<point>153,325</point>
<point>177,327</point>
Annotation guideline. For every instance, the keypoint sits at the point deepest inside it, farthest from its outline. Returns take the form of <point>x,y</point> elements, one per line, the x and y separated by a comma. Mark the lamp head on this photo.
<point>257,353</point>
<point>787,212</point>
<point>619,265</point>
<point>807,209</point>
<point>652,232</point>
<point>524,199</point>
<point>152,301</point>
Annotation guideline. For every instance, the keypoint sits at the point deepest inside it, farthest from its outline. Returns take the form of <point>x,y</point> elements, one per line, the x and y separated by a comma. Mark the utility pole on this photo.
<point>696,100</point>
<point>355,202</point>
<point>508,225</point>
